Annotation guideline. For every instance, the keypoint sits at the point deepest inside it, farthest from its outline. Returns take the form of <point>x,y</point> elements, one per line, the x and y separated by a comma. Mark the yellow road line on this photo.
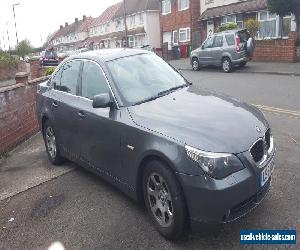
<point>278,110</point>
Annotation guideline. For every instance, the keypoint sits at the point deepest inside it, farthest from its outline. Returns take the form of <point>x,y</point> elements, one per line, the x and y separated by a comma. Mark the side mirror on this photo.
<point>202,46</point>
<point>102,101</point>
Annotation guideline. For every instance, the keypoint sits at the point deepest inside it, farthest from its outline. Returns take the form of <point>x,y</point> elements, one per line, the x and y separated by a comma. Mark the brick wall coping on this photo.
<point>38,80</point>
<point>11,87</point>
<point>22,74</point>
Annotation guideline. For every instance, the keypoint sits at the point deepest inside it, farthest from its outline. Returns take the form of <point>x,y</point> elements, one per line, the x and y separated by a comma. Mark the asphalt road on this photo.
<point>84,212</point>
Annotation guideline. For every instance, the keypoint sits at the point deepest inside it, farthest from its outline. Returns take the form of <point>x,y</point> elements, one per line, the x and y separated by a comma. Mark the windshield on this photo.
<point>141,78</point>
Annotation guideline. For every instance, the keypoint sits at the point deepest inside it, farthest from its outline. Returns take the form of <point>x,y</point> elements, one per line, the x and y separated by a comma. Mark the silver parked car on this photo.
<point>227,49</point>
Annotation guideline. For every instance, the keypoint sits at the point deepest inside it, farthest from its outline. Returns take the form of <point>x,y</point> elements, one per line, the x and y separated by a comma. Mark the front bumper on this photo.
<point>220,201</point>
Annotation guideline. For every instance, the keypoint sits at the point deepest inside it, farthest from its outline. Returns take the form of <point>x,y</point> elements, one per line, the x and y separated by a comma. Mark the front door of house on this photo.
<point>210,28</point>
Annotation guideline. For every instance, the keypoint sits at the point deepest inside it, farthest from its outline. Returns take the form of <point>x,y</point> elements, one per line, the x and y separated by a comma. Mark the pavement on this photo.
<point>277,68</point>
<point>26,167</point>
<point>41,204</point>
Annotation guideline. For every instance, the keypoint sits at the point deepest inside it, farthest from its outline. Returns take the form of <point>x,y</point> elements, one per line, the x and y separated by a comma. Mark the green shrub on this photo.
<point>227,26</point>
<point>49,71</point>
<point>6,60</point>
<point>252,25</point>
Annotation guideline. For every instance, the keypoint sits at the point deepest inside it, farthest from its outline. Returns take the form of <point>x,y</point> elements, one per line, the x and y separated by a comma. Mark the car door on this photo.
<point>64,107</point>
<point>205,56</point>
<point>99,129</point>
<point>217,49</point>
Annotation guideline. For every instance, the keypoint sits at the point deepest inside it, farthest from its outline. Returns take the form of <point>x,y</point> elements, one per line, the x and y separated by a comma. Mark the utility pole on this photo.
<point>15,21</point>
<point>125,24</point>
<point>7,35</point>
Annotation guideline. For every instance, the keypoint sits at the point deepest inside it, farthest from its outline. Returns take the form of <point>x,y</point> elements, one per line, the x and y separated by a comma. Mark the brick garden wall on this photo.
<point>7,73</point>
<point>276,49</point>
<point>18,112</point>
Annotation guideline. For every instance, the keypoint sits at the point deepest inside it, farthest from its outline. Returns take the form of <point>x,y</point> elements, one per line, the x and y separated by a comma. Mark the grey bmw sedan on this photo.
<point>191,156</point>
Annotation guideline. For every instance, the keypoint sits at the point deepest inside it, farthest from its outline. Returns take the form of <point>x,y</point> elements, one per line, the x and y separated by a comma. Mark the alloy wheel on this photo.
<point>50,142</point>
<point>160,199</point>
<point>226,65</point>
<point>195,65</point>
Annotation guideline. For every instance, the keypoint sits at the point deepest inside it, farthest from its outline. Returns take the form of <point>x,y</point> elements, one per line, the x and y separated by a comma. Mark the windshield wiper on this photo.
<point>162,93</point>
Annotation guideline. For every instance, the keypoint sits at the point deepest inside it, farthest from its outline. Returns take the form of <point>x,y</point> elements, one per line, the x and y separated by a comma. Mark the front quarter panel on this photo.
<point>140,143</point>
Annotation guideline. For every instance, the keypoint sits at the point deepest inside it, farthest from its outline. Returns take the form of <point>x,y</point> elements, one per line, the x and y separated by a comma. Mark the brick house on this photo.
<point>70,36</point>
<point>179,23</point>
<point>276,38</point>
<point>142,20</point>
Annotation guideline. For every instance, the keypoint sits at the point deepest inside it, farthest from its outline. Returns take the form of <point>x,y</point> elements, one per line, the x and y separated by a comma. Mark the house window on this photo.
<point>141,18</point>
<point>239,21</point>
<point>131,41</point>
<point>228,19</point>
<point>268,25</point>
<point>183,4</point>
<point>132,20</point>
<point>285,26</point>
<point>184,34</point>
<point>272,26</point>
<point>175,37</point>
<point>118,24</point>
<point>166,7</point>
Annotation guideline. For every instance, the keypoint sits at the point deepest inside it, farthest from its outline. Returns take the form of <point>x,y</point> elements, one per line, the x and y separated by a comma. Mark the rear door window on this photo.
<point>69,77</point>
<point>244,35</point>
<point>230,40</point>
<point>218,42</point>
<point>93,81</point>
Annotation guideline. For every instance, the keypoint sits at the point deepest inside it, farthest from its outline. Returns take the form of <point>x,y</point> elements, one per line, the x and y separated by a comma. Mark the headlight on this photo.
<point>217,165</point>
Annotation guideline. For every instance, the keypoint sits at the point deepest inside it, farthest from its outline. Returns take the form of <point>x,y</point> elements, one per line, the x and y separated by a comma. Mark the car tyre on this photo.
<point>51,144</point>
<point>164,200</point>
<point>195,64</point>
<point>227,65</point>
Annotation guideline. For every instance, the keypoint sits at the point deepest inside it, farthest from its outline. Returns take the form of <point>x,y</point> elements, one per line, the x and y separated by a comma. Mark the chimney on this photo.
<point>83,17</point>
<point>61,27</point>
<point>66,24</point>
<point>76,20</point>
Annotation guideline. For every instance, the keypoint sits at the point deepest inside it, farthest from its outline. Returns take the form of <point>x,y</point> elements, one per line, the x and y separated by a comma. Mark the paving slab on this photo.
<point>27,166</point>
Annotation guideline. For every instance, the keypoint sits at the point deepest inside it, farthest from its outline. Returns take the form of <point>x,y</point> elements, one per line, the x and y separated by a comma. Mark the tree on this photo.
<point>286,7</point>
<point>24,48</point>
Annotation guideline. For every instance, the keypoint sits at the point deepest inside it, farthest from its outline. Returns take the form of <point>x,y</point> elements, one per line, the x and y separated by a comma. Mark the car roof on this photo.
<point>109,54</point>
<point>230,31</point>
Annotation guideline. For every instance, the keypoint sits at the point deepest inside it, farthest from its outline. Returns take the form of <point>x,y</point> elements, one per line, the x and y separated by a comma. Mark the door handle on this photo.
<point>81,114</point>
<point>54,104</point>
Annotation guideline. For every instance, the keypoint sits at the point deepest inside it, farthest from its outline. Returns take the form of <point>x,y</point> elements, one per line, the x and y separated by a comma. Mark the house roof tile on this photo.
<point>106,16</point>
<point>234,8</point>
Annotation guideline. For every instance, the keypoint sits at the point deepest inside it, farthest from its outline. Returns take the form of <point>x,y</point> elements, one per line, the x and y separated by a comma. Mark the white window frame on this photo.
<point>227,20</point>
<point>276,18</point>
<point>163,7</point>
<point>173,37</point>
<point>188,34</point>
<point>186,7</point>
<point>131,41</point>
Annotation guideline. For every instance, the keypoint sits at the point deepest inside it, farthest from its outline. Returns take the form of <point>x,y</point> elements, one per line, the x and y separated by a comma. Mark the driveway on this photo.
<point>84,212</point>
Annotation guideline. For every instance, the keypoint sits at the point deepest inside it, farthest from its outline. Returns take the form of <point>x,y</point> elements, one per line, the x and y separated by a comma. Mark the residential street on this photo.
<point>83,212</point>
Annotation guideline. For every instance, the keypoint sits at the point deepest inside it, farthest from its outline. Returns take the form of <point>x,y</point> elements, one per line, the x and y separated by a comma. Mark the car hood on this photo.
<point>202,119</point>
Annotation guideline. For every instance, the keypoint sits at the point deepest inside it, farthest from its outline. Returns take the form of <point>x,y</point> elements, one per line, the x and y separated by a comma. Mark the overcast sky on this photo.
<point>36,19</point>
